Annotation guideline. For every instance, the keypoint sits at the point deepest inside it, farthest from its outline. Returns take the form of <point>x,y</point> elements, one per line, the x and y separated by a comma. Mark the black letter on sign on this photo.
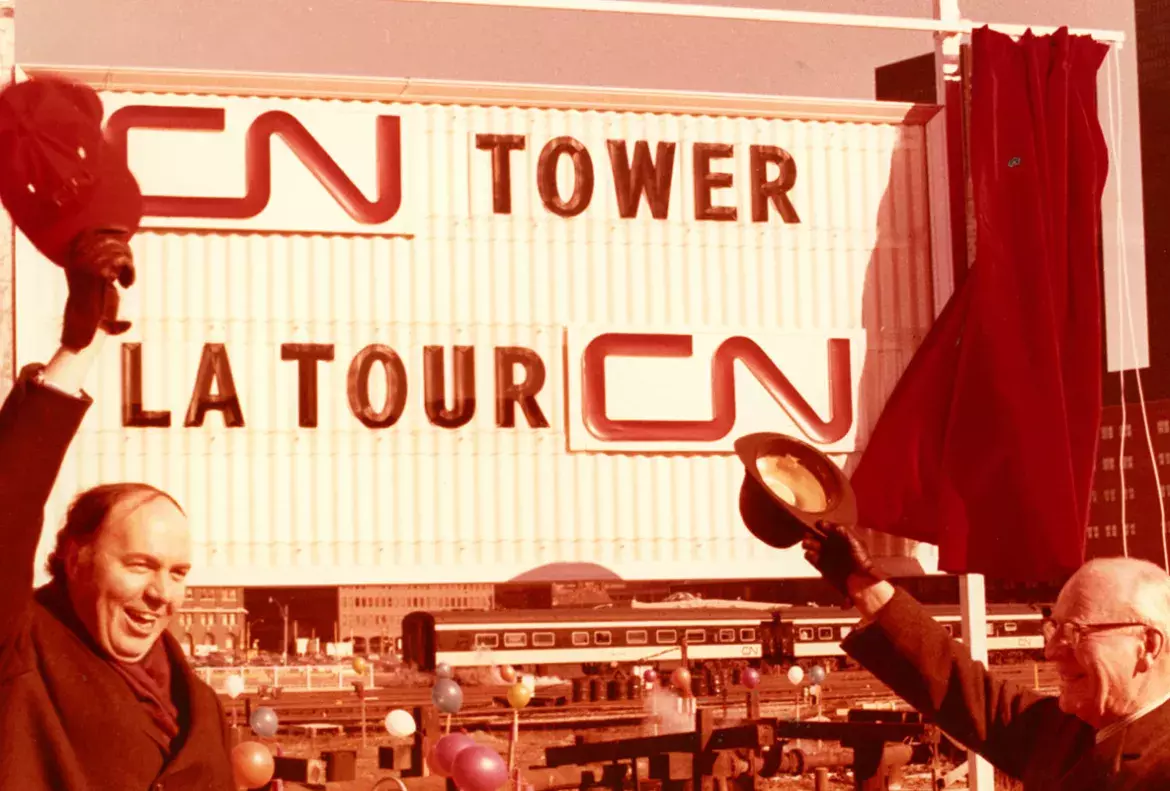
<point>132,412</point>
<point>509,393</point>
<point>546,177</point>
<point>435,387</point>
<point>706,181</point>
<point>307,356</point>
<point>214,368</point>
<point>501,146</point>
<point>358,386</point>
<point>649,176</point>
<point>777,189</point>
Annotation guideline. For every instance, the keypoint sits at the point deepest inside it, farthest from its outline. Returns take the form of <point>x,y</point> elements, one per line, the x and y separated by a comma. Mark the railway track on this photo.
<point>485,708</point>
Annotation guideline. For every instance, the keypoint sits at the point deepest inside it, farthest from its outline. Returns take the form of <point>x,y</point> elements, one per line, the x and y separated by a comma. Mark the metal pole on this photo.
<point>8,367</point>
<point>973,605</point>
<point>695,10</point>
<point>950,90</point>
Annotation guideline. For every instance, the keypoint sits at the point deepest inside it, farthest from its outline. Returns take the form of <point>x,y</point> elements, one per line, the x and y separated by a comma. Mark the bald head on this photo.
<point>1122,589</point>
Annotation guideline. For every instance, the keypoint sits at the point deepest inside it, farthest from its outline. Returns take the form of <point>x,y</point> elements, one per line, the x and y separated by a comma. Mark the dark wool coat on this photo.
<point>68,721</point>
<point>1021,732</point>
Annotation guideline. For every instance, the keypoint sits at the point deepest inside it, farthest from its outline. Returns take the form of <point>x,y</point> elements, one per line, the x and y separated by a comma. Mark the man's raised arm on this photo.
<point>904,647</point>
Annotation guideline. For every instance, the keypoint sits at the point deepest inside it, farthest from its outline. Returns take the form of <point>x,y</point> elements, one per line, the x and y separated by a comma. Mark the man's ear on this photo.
<point>76,557</point>
<point>1154,644</point>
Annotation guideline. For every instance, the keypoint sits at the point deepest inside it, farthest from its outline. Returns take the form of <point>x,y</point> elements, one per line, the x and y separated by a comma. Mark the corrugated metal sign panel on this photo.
<point>272,502</point>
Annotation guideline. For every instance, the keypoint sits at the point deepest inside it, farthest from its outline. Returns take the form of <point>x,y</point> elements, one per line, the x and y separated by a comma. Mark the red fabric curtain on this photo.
<point>988,444</point>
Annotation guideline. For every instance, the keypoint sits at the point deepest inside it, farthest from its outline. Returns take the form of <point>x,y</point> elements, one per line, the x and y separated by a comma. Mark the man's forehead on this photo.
<point>1094,592</point>
<point>142,514</point>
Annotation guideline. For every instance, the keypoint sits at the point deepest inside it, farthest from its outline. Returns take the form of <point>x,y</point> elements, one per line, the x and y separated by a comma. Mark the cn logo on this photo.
<point>330,200</point>
<point>823,366</point>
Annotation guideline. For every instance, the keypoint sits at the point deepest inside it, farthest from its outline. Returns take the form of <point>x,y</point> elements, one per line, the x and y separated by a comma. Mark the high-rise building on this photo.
<point>1131,483</point>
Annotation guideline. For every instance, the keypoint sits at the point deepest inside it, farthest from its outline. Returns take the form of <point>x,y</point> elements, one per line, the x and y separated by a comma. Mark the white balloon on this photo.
<point>795,674</point>
<point>400,723</point>
<point>234,686</point>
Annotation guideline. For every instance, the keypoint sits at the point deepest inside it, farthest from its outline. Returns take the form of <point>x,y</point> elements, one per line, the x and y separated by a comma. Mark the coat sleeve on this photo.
<point>913,655</point>
<point>37,424</point>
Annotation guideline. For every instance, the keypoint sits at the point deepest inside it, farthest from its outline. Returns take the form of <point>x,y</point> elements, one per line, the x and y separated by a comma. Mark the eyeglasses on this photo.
<point>1071,632</point>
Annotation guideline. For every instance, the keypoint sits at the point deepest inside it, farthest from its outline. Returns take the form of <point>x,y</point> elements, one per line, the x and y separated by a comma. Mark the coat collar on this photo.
<point>200,707</point>
<point>1117,755</point>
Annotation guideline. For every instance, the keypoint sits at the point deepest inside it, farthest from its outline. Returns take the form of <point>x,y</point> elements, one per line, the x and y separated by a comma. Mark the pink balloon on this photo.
<point>751,678</point>
<point>442,756</point>
<point>650,676</point>
<point>479,769</point>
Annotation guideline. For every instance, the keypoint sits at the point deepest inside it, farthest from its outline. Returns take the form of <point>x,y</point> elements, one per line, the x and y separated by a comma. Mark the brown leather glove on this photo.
<point>839,555</point>
<point>98,260</point>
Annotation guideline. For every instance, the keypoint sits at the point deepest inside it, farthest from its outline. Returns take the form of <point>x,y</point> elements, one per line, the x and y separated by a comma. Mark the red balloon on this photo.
<point>479,769</point>
<point>751,678</point>
<point>650,676</point>
<point>252,764</point>
<point>442,757</point>
<point>507,673</point>
<point>681,679</point>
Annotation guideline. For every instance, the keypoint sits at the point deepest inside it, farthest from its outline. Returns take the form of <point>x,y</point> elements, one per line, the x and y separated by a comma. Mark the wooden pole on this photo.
<point>363,722</point>
<point>513,771</point>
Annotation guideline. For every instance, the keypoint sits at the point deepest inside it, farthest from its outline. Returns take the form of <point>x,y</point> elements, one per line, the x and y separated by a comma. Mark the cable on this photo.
<point>1115,129</point>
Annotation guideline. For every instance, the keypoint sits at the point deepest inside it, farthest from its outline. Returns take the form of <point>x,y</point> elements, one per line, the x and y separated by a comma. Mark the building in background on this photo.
<point>300,612</point>
<point>371,615</point>
<point>1125,515</point>
<point>211,620</point>
<point>1152,22</point>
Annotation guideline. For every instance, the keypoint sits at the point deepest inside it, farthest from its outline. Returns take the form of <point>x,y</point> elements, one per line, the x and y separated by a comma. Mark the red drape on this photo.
<point>988,444</point>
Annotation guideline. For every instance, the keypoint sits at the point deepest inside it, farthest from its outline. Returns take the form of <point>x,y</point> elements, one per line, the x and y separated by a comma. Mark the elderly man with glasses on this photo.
<point>1108,730</point>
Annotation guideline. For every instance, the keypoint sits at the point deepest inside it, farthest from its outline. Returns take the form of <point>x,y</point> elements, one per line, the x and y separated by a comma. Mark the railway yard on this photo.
<point>314,724</point>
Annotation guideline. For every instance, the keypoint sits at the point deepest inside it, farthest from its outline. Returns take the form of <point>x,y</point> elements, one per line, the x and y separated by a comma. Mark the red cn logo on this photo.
<point>819,430</point>
<point>258,163</point>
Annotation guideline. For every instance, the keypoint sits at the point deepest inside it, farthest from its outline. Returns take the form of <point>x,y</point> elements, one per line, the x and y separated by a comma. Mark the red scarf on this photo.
<point>150,681</point>
<point>149,678</point>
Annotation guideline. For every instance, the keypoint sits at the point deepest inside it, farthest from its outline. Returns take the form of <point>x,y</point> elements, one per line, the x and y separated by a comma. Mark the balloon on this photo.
<point>518,695</point>
<point>446,750</point>
<point>359,665</point>
<point>479,769</point>
<point>650,676</point>
<point>447,696</point>
<point>681,679</point>
<point>751,678</point>
<point>400,723</point>
<point>795,674</point>
<point>817,674</point>
<point>252,764</point>
<point>507,673</point>
<point>443,670</point>
<point>264,722</point>
<point>234,686</point>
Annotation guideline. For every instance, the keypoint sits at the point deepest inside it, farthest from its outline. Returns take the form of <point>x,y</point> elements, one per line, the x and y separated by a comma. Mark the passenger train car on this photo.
<point>815,633</point>
<point>556,639</point>
<point>587,640</point>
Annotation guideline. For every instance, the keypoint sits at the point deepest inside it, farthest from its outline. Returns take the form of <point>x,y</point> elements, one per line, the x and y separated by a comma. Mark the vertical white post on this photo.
<point>973,606</point>
<point>948,75</point>
<point>8,366</point>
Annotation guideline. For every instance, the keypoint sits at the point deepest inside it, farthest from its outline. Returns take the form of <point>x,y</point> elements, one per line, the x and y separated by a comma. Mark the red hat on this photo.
<point>58,176</point>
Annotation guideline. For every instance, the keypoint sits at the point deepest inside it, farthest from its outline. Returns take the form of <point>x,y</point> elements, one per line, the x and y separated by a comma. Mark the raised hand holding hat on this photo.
<point>72,195</point>
<point>838,555</point>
